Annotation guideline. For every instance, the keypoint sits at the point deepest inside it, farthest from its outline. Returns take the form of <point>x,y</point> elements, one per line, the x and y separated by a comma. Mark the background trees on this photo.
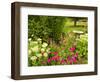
<point>76,19</point>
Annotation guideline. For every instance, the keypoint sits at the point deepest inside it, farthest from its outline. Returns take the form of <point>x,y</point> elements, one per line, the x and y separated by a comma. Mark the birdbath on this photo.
<point>78,33</point>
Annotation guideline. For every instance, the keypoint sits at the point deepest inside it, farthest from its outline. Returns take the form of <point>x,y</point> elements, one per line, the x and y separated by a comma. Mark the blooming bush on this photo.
<point>40,53</point>
<point>82,47</point>
<point>37,52</point>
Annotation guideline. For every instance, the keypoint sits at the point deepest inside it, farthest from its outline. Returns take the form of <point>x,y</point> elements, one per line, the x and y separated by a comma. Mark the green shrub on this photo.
<point>82,46</point>
<point>45,27</point>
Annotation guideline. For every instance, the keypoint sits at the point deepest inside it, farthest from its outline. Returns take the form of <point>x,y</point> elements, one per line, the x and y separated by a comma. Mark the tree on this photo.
<point>76,19</point>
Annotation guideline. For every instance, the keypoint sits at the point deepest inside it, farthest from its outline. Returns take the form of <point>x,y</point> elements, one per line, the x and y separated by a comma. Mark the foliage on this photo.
<point>41,54</point>
<point>45,27</point>
<point>76,19</point>
<point>82,46</point>
<point>38,52</point>
<point>52,42</point>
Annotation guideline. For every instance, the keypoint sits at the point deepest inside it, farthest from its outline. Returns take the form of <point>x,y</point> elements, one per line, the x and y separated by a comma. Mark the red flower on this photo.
<point>55,53</point>
<point>55,58</point>
<point>72,49</point>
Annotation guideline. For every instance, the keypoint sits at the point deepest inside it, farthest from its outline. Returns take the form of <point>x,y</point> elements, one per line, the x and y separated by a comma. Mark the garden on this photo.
<point>57,40</point>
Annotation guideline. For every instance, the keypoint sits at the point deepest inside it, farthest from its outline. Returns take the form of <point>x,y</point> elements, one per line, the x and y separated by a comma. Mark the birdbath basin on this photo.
<point>78,33</point>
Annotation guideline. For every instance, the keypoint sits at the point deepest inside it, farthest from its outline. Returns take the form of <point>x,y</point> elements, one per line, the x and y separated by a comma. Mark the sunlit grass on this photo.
<point>69,26</point>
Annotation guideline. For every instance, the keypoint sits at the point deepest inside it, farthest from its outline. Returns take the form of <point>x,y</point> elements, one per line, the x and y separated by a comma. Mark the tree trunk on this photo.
<point>75,23</point>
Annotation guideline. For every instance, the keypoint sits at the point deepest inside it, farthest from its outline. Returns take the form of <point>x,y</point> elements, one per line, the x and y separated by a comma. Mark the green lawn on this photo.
<point>70,29</point>
<point>69,26</point>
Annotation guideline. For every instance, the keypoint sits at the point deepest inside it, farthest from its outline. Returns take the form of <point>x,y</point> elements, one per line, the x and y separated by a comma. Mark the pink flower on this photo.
<point>74,59</point>
<point>49,60</point>
<point>53,58</point>
<point>62,61</point>
<point>68,58</point>
<point>72,49</point>
<point>71,61</point>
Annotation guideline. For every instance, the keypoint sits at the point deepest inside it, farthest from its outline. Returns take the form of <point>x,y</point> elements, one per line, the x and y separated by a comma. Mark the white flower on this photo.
<point>29,52</point>
<point>29,39</point>
<point>35,49</point>
<point>39,55</point>
<point>33,58</point>
<point>39,39</point>
<point>44,45</point>
<point>32,35</point>
<point>42,49</point>
<point>34,42</point>
<point>45,55</point>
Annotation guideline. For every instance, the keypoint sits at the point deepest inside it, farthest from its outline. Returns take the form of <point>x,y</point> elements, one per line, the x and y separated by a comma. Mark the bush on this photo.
<point>45,27</point>
<point>82,46</point>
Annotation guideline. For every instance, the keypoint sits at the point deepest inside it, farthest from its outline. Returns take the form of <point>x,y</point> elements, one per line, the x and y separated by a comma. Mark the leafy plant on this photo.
<point>82,46</point>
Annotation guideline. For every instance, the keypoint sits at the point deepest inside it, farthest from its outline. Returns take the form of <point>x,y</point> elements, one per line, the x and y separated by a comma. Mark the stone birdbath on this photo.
<point>78,33</point>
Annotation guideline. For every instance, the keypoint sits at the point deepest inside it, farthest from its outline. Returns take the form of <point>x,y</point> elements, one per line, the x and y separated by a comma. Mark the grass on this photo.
<point>69,26</point>
<point>70,29</point>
